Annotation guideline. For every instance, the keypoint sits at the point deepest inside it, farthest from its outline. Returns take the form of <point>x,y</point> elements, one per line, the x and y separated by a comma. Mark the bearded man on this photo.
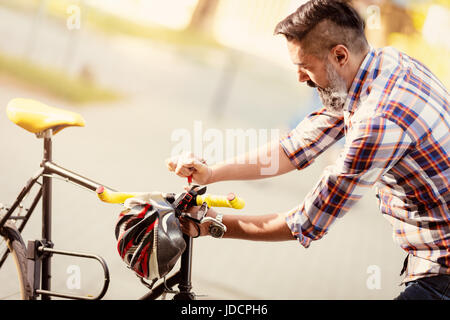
<point>394,115</point>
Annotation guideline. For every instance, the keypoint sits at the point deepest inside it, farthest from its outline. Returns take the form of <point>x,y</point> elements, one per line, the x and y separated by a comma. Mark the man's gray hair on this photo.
<point>320,25</point>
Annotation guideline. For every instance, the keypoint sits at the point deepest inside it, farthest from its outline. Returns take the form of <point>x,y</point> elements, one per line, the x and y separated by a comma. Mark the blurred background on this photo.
<point>138,70</point>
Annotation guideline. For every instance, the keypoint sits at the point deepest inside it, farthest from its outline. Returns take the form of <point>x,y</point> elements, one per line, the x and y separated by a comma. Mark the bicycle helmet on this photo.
<point>149,237</point>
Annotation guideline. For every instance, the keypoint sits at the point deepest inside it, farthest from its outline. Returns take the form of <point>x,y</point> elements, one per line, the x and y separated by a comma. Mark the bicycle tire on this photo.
<point>17,251</point>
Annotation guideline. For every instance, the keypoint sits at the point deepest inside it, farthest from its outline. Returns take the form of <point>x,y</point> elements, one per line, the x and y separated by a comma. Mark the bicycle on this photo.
<point>33,260</point>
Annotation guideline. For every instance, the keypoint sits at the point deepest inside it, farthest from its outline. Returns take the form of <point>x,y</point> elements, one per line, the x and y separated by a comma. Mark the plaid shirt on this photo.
<point>397,138</point>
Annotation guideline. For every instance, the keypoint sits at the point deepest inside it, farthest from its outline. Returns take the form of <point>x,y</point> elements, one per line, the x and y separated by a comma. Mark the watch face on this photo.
<point>216,231</point>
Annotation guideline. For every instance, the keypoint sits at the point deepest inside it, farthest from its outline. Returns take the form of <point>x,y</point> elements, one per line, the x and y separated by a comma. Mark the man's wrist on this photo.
<point>217,229</point>
<point>204,227</point>
<point>210,176</point>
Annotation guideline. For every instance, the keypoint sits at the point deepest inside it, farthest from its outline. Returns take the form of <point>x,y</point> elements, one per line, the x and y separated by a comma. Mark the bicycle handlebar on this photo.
<point>109,196</point>
<point>229,201</point>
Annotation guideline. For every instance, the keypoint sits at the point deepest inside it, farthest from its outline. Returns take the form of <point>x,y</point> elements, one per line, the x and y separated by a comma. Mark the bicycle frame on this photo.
<point>40,251</point>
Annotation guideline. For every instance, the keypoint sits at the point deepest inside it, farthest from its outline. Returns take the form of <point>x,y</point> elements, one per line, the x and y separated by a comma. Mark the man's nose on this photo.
<point>303,76</point>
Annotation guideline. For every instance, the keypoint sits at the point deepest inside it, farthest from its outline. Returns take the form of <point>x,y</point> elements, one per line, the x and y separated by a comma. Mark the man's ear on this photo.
<point>340,55</point>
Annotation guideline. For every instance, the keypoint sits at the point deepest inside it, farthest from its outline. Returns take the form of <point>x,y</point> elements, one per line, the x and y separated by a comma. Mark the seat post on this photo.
<point>47,213</point>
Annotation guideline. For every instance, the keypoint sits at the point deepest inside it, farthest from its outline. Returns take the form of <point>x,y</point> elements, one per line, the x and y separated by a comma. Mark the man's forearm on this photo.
<point>265,162</point>
<point>271,227</point>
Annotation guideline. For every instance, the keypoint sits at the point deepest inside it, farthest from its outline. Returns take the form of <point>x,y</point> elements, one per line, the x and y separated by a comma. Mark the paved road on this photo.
<point>124,145</point>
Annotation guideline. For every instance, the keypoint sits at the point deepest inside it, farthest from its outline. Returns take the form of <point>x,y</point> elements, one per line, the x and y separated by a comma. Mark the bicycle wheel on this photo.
<point>15,287</point>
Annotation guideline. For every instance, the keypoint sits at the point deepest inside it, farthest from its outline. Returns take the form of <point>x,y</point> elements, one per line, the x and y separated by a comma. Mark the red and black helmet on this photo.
<point>150,240</point>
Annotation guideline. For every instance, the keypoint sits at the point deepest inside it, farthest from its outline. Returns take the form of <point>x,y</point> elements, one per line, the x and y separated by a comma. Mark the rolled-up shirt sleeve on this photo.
<point>312,136</point>
<point>372,147</point>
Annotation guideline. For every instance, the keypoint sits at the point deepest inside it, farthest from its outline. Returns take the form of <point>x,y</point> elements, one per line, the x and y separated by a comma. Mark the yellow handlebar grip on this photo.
<point>230,201</point>
<point>112,196</point>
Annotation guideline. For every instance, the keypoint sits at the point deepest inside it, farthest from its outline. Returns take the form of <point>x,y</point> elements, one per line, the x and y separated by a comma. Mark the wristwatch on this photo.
<point>217,229</point>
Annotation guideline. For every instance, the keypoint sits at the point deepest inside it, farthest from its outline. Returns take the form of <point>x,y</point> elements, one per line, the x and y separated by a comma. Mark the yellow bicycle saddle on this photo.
<point>37,117</point>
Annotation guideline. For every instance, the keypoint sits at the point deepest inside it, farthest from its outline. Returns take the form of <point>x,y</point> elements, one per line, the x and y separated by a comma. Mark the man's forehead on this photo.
<point>297,53</point>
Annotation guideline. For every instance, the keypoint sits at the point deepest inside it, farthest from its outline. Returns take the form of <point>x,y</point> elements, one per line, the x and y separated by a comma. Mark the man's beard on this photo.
<point>334,96</point>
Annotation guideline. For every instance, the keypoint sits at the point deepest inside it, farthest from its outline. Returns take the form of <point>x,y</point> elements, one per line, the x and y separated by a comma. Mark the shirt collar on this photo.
<point>360,78</point>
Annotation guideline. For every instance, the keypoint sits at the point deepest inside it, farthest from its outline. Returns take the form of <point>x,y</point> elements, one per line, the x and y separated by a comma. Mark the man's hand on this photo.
<point>187,164</point>
<point>193,229</point>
